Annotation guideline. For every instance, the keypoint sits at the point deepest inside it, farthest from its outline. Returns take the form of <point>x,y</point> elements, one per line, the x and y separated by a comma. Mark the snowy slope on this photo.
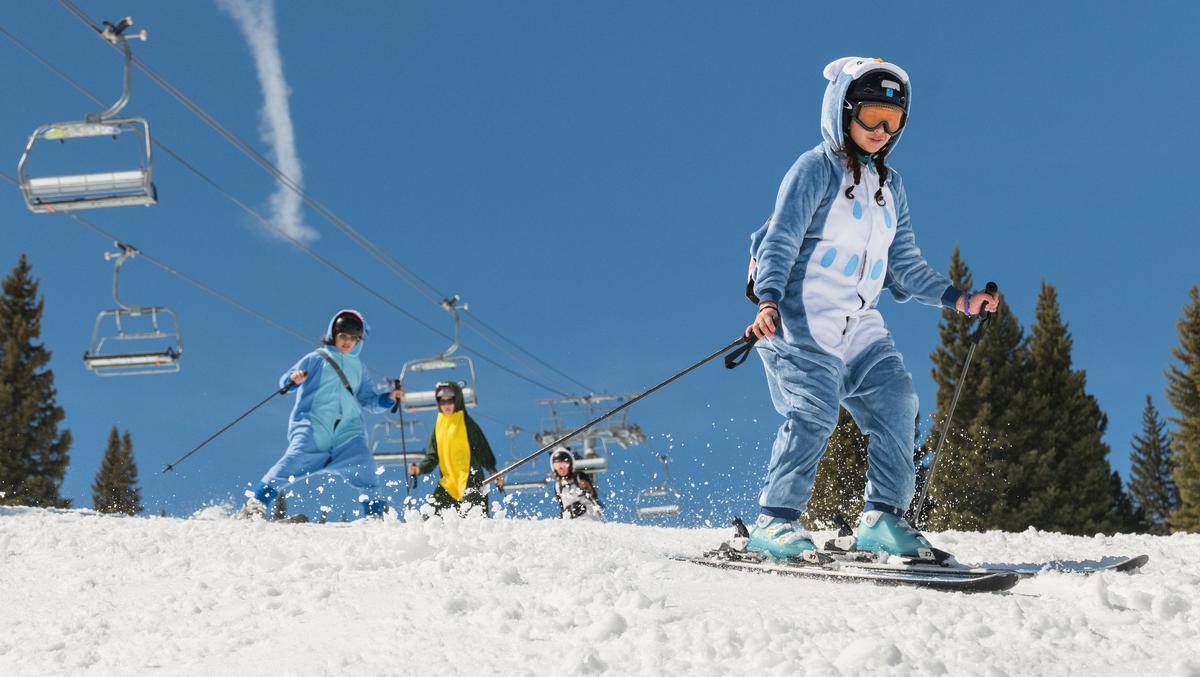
<point>82,593</point>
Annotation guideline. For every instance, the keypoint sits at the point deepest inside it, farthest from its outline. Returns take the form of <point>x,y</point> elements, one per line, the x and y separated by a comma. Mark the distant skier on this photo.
<point>573,488</point>
<point>325,431</point>
<point>459,449</point>
<point>840,234</point>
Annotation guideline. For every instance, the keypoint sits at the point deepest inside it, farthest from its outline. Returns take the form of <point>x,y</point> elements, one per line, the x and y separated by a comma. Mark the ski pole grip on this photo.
<point>396,404</point>
<point>985,317</point>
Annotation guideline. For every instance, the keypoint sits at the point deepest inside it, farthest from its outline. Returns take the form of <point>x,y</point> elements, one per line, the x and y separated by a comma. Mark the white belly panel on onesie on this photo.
<point>845,273</point>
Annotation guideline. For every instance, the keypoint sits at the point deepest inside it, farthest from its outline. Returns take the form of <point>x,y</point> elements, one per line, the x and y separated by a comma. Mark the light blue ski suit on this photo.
<point>824,259</point>
<point>325,431</point>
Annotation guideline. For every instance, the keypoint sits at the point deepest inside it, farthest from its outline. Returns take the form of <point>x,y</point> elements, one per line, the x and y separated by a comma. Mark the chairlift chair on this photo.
<point>426,400</point>
<point>47,194</point>
<point>160,343</point>
<point>528,479</point>
<point>396,444</point>
<point>648,503</point>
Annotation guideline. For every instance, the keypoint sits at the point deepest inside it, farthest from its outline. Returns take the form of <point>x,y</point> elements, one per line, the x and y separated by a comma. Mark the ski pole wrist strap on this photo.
<point>342,375</point>
<point>739,355</point>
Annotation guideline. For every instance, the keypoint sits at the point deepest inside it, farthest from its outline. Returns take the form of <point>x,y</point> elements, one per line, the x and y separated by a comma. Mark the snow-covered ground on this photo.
<point>82,593</point>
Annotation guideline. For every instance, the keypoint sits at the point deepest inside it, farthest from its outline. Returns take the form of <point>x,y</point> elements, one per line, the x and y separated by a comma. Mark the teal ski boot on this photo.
<point>882,532</point>
<point>779,538</point>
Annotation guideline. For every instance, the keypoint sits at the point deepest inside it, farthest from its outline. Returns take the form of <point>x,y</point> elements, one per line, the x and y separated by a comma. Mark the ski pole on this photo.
<point>744,341</point>
<point>408,479</point>
<point>281,391</point>
<point>984,321</point>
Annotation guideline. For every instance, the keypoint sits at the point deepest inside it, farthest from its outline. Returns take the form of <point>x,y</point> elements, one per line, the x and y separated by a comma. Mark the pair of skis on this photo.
<point>939,573</point>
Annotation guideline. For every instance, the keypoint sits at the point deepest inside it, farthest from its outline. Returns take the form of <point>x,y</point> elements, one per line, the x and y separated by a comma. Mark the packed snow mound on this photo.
<point>85,593</point>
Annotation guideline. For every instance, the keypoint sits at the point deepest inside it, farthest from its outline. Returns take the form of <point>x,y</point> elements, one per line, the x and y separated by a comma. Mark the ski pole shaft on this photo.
<point>962,377</point>
<point>742,340</point>
<point>281,391</point>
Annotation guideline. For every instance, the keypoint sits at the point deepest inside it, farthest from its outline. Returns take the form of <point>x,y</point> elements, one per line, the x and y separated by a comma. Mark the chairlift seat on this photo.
<point>658,511</point>
<point>525,486</point>
<point>48,194</point>
<point>591,464</point>
<point>105,361</point>
<point>426,400</point>
<point>387,457</point>
<point>391,444</point>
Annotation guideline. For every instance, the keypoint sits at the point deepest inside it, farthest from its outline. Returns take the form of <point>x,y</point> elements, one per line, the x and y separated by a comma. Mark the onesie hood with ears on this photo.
<point>328,338</point>
<point>840,74</point>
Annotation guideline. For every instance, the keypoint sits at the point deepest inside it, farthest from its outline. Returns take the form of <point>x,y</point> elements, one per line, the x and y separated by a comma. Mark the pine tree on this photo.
<point>115,487</point>
<point>34,453</point>
<point>1152,483</point>
<point>1068,485</point>
<point>1183,392</point>
<point>841,476</point>
<point>973,471</point>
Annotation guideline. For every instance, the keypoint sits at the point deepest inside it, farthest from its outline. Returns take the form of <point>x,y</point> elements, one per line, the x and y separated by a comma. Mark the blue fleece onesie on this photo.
<point>325,431</point>
<point>824,259</point>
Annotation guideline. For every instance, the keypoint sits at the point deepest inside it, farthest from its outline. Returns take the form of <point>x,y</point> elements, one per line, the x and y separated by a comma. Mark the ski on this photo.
<point>823,566</point>
<point>1118,563</point>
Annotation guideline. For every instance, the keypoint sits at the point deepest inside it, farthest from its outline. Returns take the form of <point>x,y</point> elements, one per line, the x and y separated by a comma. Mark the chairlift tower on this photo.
<point>119,188</point>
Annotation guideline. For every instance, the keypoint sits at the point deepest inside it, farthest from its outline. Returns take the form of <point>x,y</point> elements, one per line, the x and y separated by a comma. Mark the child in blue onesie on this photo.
<point>840,234</point>
<point>325,431</point>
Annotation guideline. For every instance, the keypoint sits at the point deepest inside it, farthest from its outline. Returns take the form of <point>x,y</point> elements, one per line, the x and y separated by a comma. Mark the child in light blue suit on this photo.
<point>326,432</point>
<point>839,235</point>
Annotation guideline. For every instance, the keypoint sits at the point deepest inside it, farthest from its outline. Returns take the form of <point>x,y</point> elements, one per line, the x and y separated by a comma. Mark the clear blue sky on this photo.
<point>586,176</point>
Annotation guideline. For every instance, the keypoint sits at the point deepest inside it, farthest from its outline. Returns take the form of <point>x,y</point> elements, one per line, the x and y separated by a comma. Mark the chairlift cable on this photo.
<point>241,306</point>
<point>267,223</point>
<point>475,318</point>
<point>416,281</point>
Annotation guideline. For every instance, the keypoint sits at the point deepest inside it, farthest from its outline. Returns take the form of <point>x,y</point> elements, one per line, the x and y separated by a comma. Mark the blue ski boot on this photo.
<point>779,538</point>
<point>884,532</point>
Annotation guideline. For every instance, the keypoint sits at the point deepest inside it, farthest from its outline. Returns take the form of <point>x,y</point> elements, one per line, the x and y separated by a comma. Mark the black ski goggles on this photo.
<point>871,115</point>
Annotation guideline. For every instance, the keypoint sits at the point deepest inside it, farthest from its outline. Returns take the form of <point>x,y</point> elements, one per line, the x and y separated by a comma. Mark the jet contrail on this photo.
<point>256,20</point>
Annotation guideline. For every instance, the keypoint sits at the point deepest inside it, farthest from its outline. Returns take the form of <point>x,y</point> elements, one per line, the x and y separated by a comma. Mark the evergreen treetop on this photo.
<point>115,487</point>
<point>1068,484</point>
<point>1151,478</point>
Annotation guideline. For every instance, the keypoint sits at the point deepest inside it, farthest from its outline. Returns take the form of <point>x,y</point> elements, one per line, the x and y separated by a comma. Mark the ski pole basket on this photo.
<point>659,500</point>
<point>90,190</point>
<point>462,366</point>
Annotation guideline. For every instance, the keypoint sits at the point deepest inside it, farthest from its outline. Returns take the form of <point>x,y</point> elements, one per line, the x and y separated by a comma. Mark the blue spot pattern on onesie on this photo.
<point>829,257</point>
<point>877,269</point>
<point>887,217</point>
<point>857,210</point>
<point>851,266</point>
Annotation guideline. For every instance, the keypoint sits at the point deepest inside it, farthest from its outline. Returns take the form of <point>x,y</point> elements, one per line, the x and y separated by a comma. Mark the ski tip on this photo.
<point>1133,563</point>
